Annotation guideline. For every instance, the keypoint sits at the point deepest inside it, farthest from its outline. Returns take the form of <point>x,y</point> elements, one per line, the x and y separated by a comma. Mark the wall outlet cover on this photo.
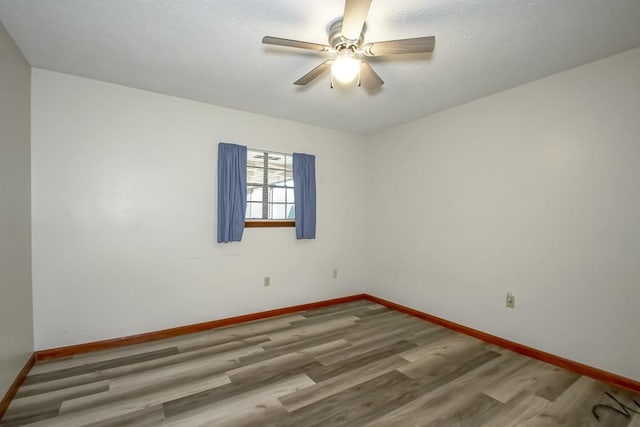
<point>511,300</point>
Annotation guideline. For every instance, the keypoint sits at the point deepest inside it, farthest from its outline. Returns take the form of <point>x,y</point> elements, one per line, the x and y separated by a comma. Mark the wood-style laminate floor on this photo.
<point>345,365</point>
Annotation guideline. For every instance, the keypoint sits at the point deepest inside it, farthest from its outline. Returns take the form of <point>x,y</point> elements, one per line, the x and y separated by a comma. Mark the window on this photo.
<point>269,189</point>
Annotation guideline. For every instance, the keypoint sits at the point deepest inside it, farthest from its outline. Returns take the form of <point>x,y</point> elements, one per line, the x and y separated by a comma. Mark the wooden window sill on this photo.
<point>269,223</point>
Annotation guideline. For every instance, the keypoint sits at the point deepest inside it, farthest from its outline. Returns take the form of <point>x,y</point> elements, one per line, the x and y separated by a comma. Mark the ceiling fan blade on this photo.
<point>369,78</point>
<point>393,47</point>
<point>294,43</point>
<point>316,72</point>
<point>355,14</point>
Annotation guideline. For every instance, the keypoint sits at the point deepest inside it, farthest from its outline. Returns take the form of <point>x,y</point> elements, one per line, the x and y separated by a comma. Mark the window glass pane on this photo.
<point>276,161</point>
<point>290,198</point>
<point>255,175</point>
<point>276,177</point>
<point>254,210</point>
<point>278,211</point>
<point>291,211</point>
<point>289,161</point>
<point>254,194</point>
<point>289,179</point>
<point>255,158</point>
<point>277,195</point>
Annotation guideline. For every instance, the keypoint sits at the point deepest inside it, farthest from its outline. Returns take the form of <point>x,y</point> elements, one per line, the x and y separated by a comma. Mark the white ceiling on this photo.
<point>211,51</point>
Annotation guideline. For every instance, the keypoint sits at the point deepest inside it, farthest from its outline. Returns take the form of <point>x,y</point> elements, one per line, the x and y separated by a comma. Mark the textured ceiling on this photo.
<point>211,51</point>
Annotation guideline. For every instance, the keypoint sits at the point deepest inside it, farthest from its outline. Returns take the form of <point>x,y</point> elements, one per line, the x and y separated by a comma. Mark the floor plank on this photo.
<point>341,382</point>
<point>102,413</point>
<point>230,411</point>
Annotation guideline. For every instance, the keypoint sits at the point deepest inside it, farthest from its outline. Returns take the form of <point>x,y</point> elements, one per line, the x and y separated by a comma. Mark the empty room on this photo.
<point>328,213</point>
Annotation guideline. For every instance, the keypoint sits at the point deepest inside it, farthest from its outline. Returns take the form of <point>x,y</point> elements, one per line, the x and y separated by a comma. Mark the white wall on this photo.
<point>16,316</point>
<point>534,190</point>
<point>124,202</point>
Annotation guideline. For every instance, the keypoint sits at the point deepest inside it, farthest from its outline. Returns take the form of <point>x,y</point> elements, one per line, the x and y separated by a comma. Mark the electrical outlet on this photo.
<point>267,280</point>
<point>334,273</point>
<point>511,300</point>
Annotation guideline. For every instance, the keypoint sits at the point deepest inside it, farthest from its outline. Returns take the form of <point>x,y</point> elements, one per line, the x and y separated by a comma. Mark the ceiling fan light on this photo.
<point>346,67</point>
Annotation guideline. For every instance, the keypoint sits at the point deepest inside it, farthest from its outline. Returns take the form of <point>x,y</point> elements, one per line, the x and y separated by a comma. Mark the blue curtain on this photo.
<point>232,191</point>
<point>304,190</point>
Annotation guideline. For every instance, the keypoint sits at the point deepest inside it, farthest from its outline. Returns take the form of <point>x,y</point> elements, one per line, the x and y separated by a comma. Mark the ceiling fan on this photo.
<point>346,36</point>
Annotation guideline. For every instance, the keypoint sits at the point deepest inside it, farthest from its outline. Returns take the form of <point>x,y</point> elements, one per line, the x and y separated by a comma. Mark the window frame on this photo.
<point>269,223</point>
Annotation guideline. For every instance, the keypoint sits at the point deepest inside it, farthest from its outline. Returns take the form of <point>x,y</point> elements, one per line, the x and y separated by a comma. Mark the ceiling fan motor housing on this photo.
<point>338,42</point>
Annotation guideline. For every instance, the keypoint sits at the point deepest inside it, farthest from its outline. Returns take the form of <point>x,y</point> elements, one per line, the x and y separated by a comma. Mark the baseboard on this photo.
<point>13,389</point>
<point>570,365</point>
<point>182,330</point>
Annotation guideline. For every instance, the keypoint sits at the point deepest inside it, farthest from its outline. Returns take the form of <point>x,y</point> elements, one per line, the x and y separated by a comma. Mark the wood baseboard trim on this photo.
<point>13,389</point>
<point>570,365</point>
<point>188,329</point>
